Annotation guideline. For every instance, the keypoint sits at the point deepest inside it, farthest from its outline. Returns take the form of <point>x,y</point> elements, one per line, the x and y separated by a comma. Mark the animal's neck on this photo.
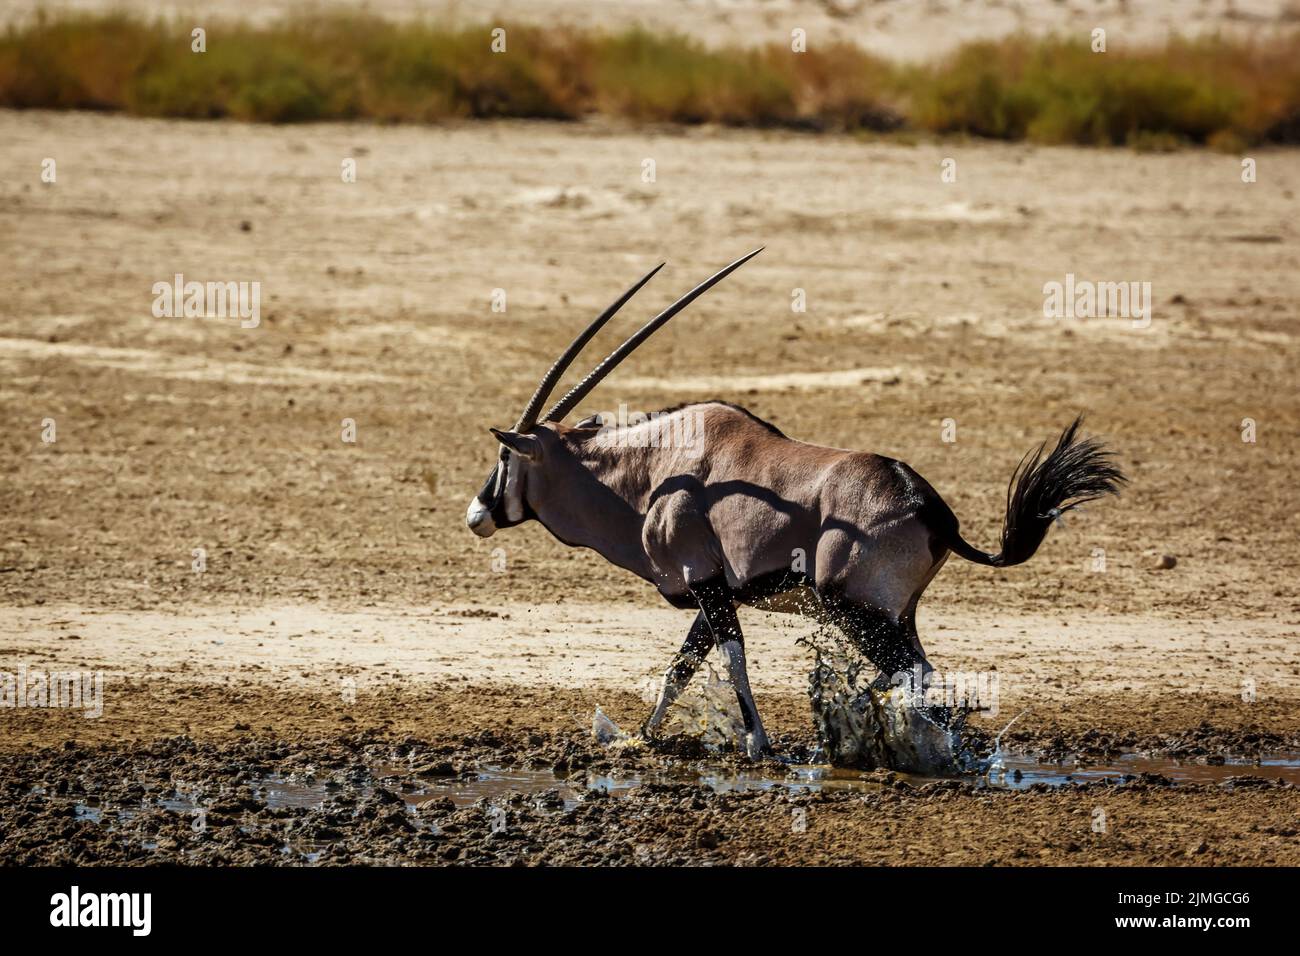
<point>587,504</point>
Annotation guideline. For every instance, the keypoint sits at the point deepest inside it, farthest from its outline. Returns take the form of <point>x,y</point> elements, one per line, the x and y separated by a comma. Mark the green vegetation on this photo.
<point>1215,92</point>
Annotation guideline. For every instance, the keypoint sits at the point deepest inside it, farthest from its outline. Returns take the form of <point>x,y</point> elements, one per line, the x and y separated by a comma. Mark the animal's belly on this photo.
<point>796,600</point>
<point>784,590</point>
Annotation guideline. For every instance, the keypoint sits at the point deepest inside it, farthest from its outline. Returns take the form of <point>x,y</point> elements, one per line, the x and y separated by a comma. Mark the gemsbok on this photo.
<point>741,514</point>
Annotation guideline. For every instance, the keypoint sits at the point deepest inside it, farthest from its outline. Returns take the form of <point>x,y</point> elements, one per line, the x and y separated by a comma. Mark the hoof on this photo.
<point>757,747</point>
<point>649,735</point>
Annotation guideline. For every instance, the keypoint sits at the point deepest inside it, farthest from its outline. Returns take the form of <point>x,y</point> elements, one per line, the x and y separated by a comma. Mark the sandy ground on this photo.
<point>1042,660</point>
<point>924,303</point>
<point>897,29</point>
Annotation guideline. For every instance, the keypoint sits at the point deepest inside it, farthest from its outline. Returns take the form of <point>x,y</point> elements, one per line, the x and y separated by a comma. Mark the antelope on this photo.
<point>758,519</point>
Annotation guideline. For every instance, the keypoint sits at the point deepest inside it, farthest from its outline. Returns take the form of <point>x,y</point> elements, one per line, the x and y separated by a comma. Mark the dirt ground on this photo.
<point>345,614</point>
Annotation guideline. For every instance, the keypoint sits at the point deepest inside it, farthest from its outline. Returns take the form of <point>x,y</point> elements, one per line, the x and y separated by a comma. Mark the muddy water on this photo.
<point>1020,772</point>
<point>377,811</point>
<point>546,789</point>
<point>1014,772</point>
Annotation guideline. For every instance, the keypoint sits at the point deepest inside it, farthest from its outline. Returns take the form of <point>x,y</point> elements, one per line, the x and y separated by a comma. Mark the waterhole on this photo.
<point>546,789</point>
<point>1014,773</point>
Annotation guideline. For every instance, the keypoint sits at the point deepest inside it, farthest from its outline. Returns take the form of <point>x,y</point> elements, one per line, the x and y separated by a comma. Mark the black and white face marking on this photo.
<point>479,516</point>
<point>500,504</point>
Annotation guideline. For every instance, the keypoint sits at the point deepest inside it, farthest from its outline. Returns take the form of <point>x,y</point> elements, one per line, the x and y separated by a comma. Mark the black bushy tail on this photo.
<point>1077,470</point>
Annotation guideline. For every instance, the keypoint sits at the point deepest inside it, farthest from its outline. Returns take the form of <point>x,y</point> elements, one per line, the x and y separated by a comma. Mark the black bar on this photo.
<point>503,906</point>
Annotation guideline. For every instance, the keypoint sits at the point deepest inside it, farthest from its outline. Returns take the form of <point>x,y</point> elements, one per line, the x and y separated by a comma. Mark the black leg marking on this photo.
<point>719,609</point>
<point>885,642</point>
<point>699,639</point>
<point>683,667</point>
<point>892,646</point>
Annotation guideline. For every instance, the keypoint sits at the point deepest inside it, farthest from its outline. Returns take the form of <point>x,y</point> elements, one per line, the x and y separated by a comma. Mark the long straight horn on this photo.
<point>581,390</point>
<point>529,416</point>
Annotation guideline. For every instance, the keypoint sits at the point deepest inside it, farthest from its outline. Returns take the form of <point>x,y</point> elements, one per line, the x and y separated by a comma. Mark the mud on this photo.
<point>363,799</point>
<point>528,793</point>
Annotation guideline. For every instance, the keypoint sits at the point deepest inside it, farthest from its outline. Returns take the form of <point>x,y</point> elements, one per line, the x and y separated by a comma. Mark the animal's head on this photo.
<point>503,502</point>
<point>508,496</point>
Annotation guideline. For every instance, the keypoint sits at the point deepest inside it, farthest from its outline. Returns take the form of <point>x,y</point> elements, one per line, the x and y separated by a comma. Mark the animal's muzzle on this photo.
<point>479,519</point>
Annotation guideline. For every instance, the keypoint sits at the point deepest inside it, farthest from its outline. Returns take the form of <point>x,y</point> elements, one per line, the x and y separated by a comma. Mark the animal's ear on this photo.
<point>525,446</point>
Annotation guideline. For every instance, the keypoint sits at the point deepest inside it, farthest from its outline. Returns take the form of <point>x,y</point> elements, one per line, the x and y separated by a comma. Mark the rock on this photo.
<point>438,768</point>
<point>1165,562</point>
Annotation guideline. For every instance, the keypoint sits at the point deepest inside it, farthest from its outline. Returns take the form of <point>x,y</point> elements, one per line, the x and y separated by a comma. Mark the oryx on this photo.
<point>741,514</point>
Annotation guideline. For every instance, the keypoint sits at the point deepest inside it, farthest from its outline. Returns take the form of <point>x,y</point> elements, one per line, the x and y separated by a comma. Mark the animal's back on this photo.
<point>744,449</point>
<point>775,503</point>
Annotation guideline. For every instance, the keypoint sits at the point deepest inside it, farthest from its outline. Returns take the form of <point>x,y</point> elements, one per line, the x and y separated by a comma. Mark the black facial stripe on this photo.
<point>488,495</point>
<point>503,472</point>
<point>493,495</point>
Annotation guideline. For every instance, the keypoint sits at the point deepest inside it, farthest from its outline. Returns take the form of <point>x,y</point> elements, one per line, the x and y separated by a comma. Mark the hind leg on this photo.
<point>869,581</point>
<point>940,713</point>
<point>869,584</point>
<point>888,642</point>
<point>895,649</point>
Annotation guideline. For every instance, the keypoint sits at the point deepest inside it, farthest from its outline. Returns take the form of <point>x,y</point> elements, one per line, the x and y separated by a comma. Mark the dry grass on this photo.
<point>1210,91</point>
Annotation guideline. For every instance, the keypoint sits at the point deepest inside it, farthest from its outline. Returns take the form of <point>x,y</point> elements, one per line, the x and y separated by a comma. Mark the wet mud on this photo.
<point>557,798</point>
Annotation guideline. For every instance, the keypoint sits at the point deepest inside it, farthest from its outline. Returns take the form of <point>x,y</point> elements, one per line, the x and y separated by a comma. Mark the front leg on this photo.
<point>719,610</point>
<point>683,667</point>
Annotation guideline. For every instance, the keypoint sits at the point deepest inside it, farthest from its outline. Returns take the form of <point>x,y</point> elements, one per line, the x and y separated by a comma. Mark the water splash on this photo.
<point>994,766</point>
<point>606,732</point>
<point>870,728</point>
<point>708,711</point>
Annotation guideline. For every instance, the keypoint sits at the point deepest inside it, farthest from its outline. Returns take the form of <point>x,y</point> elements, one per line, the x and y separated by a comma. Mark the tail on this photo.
<point>1077,470</point>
